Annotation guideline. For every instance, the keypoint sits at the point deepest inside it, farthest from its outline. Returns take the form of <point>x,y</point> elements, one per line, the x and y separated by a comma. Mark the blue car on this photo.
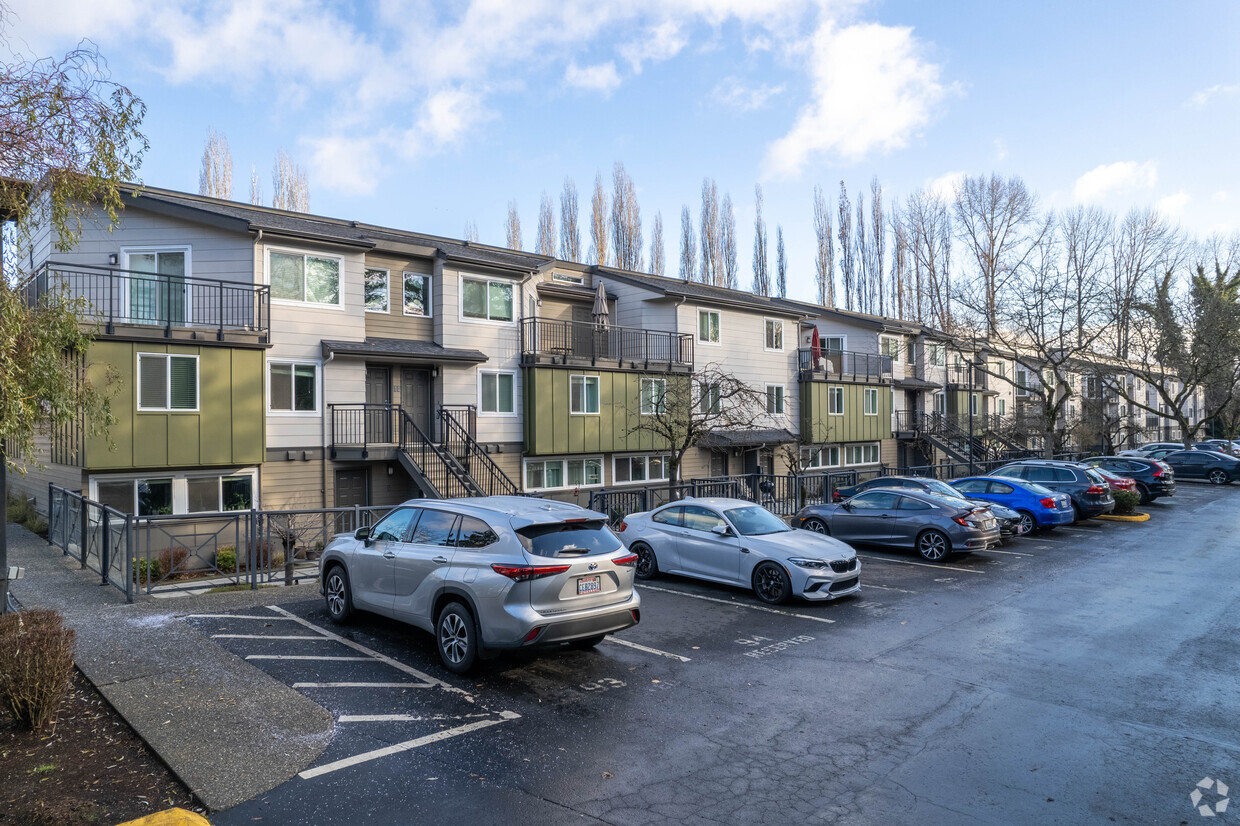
<point>1038,507</point>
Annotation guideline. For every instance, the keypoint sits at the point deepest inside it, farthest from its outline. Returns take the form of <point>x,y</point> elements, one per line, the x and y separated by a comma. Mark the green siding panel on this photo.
<point>820,427</point>
<point>550,429</point>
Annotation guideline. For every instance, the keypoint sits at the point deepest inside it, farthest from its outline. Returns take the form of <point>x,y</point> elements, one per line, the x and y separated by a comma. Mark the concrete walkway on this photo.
<point>224,727</point>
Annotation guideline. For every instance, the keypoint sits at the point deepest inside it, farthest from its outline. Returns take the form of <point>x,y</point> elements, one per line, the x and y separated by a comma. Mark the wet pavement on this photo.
<point>1085,675</point>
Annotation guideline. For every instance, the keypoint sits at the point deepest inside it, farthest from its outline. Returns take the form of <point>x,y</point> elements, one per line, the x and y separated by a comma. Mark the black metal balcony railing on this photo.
<point>546,338</point>
<point>126,297</point>
<point>964,377</point>
<point>843,365</point>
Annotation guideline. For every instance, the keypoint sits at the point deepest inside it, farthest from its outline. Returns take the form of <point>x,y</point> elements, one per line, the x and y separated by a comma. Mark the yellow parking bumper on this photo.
<point>170,817</point>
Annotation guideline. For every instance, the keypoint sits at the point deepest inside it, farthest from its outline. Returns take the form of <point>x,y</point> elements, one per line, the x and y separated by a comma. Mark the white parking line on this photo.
<point>300,657</point>
<point>922,564</point>
<point>315,637</point>
<point>362,685</point>
<point>404,718</point>
<point>357,646</point>
<point>866,585</point>
<point>1009,553</point>
<point>628,644</point>
<point>406,746</point>
<point>736,604</point>
<point>232,616</point>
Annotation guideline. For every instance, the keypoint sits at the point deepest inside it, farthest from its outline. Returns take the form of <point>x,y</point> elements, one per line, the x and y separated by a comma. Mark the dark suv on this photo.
<point>1154,479</point>
<point>1218,468</point>
<point>1090,494</point>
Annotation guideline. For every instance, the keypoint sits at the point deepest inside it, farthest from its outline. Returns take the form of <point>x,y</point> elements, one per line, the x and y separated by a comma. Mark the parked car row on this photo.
<point>487,574</point>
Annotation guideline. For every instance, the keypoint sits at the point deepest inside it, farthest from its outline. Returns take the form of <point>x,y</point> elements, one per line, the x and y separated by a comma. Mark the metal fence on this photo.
<point>200,551</point>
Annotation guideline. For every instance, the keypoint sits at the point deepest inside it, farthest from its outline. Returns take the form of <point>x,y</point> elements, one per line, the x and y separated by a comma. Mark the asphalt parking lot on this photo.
<point>1088,674</point>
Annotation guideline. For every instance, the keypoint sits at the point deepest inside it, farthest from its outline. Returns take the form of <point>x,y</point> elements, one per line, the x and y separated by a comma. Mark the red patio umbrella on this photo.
<point>815,347</point>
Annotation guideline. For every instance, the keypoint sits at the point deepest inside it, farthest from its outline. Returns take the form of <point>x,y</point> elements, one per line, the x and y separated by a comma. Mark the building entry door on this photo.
<point>351,487</point>
<point>415,397</point>
<point>378,392</point>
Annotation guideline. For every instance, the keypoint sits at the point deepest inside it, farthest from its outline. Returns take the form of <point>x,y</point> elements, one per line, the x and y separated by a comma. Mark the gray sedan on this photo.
<point>736,542</point>
<point>936,526</point>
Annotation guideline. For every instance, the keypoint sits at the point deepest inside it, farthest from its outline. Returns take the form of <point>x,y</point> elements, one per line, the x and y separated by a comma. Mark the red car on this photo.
<point>1117,482</point>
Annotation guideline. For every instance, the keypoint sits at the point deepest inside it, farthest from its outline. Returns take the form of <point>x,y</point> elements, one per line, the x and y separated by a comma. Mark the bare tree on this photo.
<point>928,225</point>
<point>688,246</point>
<point>471,231</point>
<point>878,245</point>
<point>847,259</point>
<point>512,227</point>
<point>727,242</point>
<point>824,259</point>
<point>256,187</point>
<point>679,411</point>
<point>761,273</point>
<point>290,184</point>
<point>711,265</point>
<point>626,221</point>
<point>546,227</point>
<point>781,264</point>
<point>861,258</point>
<point>215,177</point>
<point>997,221</point>
<point>570,233</point>
<point>657,260</point>
<point>598,223</point>
<point>901,300</point>
<point>1086,233</point>
<point>1144,246</point>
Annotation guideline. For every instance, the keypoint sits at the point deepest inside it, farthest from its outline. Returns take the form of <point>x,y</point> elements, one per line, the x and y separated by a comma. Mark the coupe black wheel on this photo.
<point>457,638</point>
<point>934,546</point>
<point>1077,516</point>
<point>770,583</point>
<point>587,643</point>
<point>1218,477</point>
<point>336,593</point>
<point>1027,523</point>
<point>816,525</point>
<point>647,565</point>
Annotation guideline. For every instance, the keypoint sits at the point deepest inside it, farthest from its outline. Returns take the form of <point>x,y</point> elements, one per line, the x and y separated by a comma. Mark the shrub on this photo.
<point>226,559</point>
<point>36,664</point>
<point>144,571</point>
<point>21,510</point>
<point>1126,502</point>
<point>172,560</point>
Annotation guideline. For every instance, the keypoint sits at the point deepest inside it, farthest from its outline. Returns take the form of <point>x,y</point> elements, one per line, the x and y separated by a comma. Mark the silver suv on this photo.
<point>486,574</point>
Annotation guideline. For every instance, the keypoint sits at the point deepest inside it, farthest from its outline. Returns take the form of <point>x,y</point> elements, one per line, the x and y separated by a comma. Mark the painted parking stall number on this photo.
<point>605,684</point>
<point>773,648</point>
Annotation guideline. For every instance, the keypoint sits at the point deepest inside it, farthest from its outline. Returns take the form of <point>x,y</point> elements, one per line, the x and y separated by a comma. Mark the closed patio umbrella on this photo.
<point>602,316</point>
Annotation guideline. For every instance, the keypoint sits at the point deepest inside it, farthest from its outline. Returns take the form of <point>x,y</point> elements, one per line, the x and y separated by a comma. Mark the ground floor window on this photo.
<point>820,456</point>
<point>627,470</point>
<point>185,492</point>
<point>558,474</point>
<point>861,454</point>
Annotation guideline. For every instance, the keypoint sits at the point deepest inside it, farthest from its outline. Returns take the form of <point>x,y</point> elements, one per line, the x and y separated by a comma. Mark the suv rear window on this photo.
<point>569,539</point>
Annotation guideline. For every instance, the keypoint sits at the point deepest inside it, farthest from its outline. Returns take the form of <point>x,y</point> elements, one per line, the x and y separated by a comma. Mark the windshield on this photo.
<point>1038,490</point>
<point>569,539</point>
<point>1094,476</point>
<point>953,501</point>
<point>756,521</point>
<point>943,489</point>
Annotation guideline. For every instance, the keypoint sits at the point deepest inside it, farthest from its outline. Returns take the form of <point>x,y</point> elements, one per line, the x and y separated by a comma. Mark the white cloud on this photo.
<point>601,77</point>
<point>872,90</point>
<point>944,186</point>
<point>1110,179</point>
<point>1000,149</point>
<point>1221,196</point>
<point>1201,98</point>
<point>734,93</point>
<point>1172,205</point>
<point>343,164</point>
<point>656,44</point>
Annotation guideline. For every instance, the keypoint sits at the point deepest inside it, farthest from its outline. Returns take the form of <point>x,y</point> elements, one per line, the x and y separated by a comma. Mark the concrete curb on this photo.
<point>228,730</point>
<point>170,817</point>
<point>1136,517</point>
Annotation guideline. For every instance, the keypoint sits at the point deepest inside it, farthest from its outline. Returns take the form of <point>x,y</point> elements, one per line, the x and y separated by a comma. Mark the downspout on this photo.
<point>323,431</point>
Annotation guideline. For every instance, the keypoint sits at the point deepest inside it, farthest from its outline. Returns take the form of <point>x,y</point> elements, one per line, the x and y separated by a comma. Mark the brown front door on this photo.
<point>378,392</point>
<point>351,487</point>
<point>415,397</point>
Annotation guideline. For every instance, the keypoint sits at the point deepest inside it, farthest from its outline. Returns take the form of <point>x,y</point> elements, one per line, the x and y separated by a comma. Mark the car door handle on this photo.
<point>389,555</point>
<point>440,559</point>
<point>744,550</point>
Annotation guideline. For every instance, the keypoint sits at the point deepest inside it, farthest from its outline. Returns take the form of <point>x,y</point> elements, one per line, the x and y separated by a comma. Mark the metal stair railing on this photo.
<point>478,464</point>
<point>435,464</point>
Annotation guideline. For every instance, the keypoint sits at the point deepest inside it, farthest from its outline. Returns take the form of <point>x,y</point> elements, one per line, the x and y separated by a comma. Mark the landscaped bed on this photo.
<point>88,767</point>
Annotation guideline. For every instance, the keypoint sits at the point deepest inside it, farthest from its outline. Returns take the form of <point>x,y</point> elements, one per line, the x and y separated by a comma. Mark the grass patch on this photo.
<point>224,589</point>
<point>21,511</point>
<point>46,768</point>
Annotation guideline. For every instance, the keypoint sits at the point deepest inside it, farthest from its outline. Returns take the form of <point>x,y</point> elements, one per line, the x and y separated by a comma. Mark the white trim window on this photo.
<point>633,470</point>
<point>497,393</point>
<point>156,300</point>
<point>1003,407</point>
<point>487,300</point>
<point>561,474</point>
<point>820,456</point>
<point>653,396</point>
<point>773,338</point>
<point>1022,381</point>
<point>936,354</point>
<point>712,398</point>
<point>583,395</point>
<point>167,383</point>
<point>304,278</point>
<point>865,453</point>
<point>708,326</point>
<point>911,352</point>
<point>835,401</point>
<point>292,388</point>
<point>775,399</point>
<point>834,344</point>
<point>376,289</point>
<point>890,346</point>
<point>973,408</point>
<point>869,401</point>
<point>568,278</point>
<point>158,494</point>
<point>417,294</point>
<point>940,403</point>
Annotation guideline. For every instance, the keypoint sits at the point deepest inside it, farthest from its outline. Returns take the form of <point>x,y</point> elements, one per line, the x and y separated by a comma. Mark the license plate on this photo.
<point>589,585</point>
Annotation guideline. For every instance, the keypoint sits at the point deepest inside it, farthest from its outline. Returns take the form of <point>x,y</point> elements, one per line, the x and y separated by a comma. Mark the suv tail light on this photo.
<point>629,560</point>
<point>1047,503</point>
<point>624,526</point>
<point>1157,471</point>
<point>1096,489</point>
<point>523,573</point>
<point>835,496</point>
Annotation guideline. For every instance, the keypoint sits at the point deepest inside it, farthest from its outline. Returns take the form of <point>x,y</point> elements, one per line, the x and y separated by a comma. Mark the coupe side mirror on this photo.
<point>721,530</point>
<point>846,506</point>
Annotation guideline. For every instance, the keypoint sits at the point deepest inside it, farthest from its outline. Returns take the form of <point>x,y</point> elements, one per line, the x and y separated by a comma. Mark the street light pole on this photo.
<point>971,367</point>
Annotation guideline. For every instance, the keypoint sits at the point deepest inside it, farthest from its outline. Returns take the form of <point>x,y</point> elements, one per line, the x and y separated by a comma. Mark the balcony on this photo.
<point>962,377</point>
<point>842,365</point>
<point>145,305</point>
<point>575,343</point>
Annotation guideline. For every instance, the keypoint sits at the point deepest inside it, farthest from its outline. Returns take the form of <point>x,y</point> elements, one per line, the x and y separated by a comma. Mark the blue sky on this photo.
<point>427,116</point>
